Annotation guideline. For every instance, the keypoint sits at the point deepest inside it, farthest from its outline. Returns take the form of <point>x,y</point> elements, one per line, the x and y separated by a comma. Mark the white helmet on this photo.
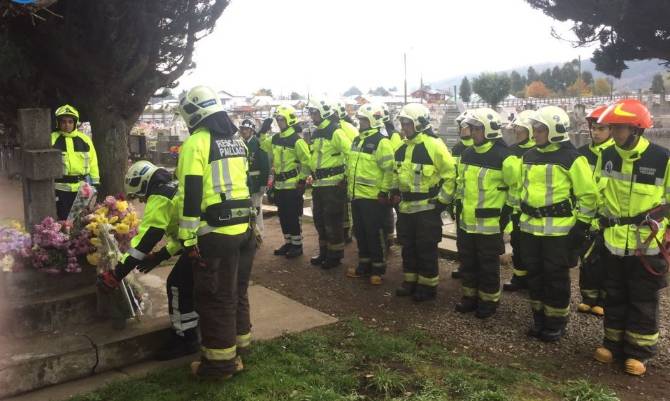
<point>523,119</point>
<point>341,109</point>
<point>324,108</point>
<point>198,103</point>
<point>418,113</point>
<point>556,120</point>
<point>138,177</point>
<point>387,113</point>
<point>373,112</point>
<point>487,118</point>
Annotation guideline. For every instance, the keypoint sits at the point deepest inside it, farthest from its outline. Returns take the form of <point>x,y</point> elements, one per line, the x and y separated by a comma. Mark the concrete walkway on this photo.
<point>272,315</point>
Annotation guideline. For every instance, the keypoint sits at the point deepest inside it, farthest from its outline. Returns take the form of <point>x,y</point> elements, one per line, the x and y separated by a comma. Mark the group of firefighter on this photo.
<point>602,207</point>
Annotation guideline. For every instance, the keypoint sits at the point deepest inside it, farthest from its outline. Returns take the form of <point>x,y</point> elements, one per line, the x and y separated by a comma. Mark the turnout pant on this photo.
<point>419,233</point>
<point>369,219</point>
<point>631,305</point>
<point>480,265</point>
<point>347,224</point>
<point>289,207</point>
<point>592,271</point>
<point>257,203</point>
<point>64,201</point>
<point>221,299</point>
<point>519,270</point>
<point>548,260</point>
<point>180,296</point>
<point>328,207</point>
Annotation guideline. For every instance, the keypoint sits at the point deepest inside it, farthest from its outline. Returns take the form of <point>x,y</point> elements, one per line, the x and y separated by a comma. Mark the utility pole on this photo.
<point>421,88</point>
<point>579,79</point>
<point>404,58</point>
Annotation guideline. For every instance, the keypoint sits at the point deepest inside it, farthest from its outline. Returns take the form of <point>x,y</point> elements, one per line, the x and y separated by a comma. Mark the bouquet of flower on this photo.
<point>15,246</point>
<point>53,250</point>
<point>80,206</point>
<point>121,216</point>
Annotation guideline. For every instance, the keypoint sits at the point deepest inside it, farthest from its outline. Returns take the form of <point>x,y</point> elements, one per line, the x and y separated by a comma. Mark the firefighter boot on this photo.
<point>603,355</point>
<point>467,305</point>
<point>406,289</point>
<point>281,251</point>
<point>320,258</point>
<point>538,325</point>
<point>456,274</point>
<point>486,309</point>
<point>333,259</point>
<point>598,311</point>
<point>424,293</point>
<point>293,251</point>
<point>362,270</point>
<point>196,371</point>
<point>635,367</point>
<point>552,335</point>
<point>178,346</point>
<point>583,308</point>
<point>515,284</point>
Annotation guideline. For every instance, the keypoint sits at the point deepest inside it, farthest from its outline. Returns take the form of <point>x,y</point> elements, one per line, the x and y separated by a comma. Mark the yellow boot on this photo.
<point>376,280</point>
<point>351,272</point>
<point>598,311</point>
<point>583,308</point>
<point>635,367</point>
<point>603,355</point>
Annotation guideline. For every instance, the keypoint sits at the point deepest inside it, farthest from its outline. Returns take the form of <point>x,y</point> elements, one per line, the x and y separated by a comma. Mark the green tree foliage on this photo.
<point>624,30</point>
<point>105,57</point>
<point>465,90</point>
<point>587,77</point>
<point>492,88</point>
<point>657,85</point>
<point>517,82</point>
<point>380,91</point>
<point>353,91</point>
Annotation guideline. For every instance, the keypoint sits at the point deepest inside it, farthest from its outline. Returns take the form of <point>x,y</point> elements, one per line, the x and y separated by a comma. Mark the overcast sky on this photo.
<point>325,47</point>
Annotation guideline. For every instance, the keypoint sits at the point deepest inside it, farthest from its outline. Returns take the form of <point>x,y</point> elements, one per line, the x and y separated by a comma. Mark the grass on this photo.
<point>349,362</point>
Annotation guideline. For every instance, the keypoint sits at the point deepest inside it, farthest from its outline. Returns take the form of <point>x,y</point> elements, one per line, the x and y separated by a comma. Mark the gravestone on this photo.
<point>40,165</point>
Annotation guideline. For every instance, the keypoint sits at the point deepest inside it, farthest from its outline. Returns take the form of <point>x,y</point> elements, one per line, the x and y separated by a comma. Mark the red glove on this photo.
<point>107,281</point>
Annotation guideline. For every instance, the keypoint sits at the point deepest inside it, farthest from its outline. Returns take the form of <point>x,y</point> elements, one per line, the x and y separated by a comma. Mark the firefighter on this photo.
<point>290,162</point>
<point>215,216</point>
<point>370,175</point>
<point>80,161</point>
<point>488,176</point>
<point>423,185</point>
<point>635,181</point>
<point>523,131</point>
<point>390,131</point>
<point>330,148</point>
<point>342,118</point>
<point>259,168</point>
<point>591,269</point>
<point>156,187</point>
<point>464,142</point>
<point>554,175</point>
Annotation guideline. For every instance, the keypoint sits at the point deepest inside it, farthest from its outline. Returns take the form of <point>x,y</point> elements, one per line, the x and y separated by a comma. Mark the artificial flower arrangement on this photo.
<point>15,244</point>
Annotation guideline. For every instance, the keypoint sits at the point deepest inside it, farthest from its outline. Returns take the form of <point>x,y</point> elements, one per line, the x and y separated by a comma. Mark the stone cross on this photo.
<point>41,164</point>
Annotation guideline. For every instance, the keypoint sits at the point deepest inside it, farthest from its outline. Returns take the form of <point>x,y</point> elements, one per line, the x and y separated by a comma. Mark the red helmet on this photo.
<point>628,112</point>
<point>595,114</point>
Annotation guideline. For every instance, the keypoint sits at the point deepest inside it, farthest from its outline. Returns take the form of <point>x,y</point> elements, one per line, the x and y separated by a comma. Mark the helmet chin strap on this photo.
<point>630,141</point>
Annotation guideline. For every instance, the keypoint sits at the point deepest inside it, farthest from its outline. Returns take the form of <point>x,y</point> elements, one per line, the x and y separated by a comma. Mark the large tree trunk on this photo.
<point>110,137</point>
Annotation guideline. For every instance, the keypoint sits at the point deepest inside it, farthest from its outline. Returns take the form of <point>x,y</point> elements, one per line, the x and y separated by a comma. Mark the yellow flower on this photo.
<point>121,206</point>
<point>93,258</point>
<point>96,242</point>
<point>92,226</point>
<point>102,211</point>
<point>15,224</point>
<point>114,219</point>
<point>122,228</point>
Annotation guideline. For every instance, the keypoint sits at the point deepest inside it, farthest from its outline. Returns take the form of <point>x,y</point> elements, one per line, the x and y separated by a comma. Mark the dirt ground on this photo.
<point>498,340</point>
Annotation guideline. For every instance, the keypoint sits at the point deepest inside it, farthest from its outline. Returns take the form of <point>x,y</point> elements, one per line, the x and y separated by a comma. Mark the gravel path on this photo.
<point>500,339</point>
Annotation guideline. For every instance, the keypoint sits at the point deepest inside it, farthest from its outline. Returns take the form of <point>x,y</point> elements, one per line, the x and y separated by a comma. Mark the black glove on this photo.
<point>193,254</point>
<point>153,259</point>
<point>300,186</point>
<point>265,127</point>
<point>439,206</point>
<point>577,234</point>
<point>458,208</point>
<point>505,215</point>
<point>383,199</point>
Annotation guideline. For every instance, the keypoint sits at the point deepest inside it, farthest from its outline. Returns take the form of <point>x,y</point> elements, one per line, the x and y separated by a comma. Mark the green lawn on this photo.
<point>349,361</point>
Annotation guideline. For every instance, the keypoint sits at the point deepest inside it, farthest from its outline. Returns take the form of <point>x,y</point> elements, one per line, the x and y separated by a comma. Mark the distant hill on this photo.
<point>637,76</point>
